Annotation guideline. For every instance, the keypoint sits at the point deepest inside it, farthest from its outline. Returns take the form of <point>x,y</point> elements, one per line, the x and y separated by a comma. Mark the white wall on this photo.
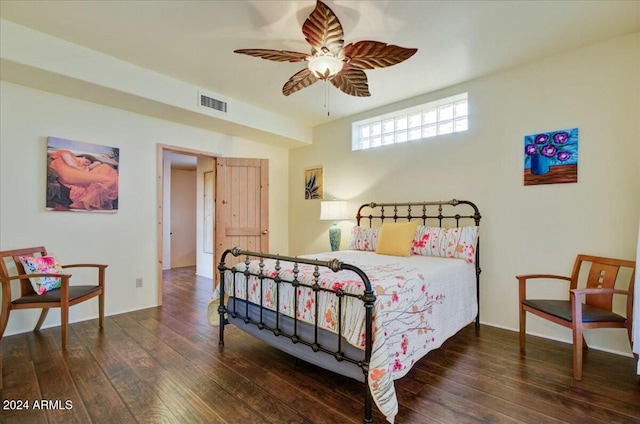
<point>523,229</point>
<point>183,217</point>
<point>39,60</point>
<point>126,241</point>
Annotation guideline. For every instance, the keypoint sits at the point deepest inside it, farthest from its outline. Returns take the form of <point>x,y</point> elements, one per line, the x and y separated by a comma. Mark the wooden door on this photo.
<point>242,205</point>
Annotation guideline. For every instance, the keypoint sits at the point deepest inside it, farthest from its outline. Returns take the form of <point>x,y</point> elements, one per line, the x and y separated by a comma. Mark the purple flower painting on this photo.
<point>551,157</point>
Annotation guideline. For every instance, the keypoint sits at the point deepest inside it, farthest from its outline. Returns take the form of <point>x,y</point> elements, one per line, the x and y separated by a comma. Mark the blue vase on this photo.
<point>334,237</point>
<point>539,164</point>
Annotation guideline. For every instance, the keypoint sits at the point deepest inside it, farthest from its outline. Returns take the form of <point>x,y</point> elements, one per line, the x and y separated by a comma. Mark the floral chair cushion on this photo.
<point>446,242</point>
<point>42,265</point>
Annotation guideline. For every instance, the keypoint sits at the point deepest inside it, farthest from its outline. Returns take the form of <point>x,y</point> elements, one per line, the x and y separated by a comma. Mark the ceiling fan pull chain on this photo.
<point>326,97</point>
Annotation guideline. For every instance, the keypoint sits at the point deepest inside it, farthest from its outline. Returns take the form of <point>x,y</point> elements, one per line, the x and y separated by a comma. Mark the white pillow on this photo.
<point>457,242</point>
<point>363,238</point>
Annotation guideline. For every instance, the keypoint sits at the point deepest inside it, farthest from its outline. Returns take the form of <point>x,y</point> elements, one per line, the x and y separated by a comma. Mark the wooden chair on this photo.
<point>62,298</point>
<point>594,312</point>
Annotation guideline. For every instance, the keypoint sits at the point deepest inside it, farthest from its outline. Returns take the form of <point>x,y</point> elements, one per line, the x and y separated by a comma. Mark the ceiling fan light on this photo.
<point>325,67</point>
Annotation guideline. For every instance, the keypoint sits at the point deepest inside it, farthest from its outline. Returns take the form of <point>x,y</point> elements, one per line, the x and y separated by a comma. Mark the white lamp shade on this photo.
<point>334,210</point>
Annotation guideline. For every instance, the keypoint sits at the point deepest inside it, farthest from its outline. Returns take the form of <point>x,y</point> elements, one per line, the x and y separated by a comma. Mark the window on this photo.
<point>444,116</point>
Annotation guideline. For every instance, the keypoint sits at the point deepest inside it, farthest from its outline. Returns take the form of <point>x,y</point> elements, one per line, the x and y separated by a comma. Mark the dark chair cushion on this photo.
<point>54,295</point>
<point>562,309</point>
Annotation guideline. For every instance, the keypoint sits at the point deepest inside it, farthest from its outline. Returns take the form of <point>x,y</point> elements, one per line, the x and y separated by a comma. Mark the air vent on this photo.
<point>213,103</point>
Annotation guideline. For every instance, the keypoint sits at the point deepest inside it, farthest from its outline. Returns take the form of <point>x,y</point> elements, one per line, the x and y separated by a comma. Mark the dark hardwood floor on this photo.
<point>163,365</point>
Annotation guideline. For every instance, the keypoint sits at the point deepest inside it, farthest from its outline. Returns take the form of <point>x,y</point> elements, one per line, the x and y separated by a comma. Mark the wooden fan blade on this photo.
<point>374,54</point>
<point>302,79</point>
<point>352,82</point>
<point>277,55</point>
<point>323,30</point>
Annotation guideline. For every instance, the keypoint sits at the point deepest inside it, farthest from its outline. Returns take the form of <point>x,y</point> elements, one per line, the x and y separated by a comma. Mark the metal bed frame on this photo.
<point>239,310</point>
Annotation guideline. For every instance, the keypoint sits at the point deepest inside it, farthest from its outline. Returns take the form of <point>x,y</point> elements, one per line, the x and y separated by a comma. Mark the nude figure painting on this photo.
<point>81,176</point>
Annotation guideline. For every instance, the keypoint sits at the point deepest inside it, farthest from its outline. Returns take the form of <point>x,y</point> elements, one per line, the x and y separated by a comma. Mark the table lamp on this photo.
<point>334,210</point>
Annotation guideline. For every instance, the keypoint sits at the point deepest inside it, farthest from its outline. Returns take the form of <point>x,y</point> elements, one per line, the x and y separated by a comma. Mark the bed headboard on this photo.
<point>444,213</point>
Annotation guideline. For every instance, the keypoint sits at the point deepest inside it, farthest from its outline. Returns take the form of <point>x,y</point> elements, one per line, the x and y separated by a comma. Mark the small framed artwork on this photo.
<point>313,188</point>
<point>551,157</point>
<point>81,176</point>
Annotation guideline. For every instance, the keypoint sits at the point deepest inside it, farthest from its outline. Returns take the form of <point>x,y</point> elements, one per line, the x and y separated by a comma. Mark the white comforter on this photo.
<point>421,301</point>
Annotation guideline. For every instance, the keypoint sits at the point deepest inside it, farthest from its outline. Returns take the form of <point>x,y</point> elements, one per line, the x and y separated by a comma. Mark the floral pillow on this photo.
<point>446,242</point>
<point>42,265</point>
<point>363,238</point>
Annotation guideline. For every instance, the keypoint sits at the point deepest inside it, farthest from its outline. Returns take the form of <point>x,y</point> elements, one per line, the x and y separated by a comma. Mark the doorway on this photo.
<point>182,224</point>
<point>180,248</point>
<point>239,215</point>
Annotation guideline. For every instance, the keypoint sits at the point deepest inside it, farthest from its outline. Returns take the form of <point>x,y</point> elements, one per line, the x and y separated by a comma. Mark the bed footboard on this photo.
<point>288,325</point>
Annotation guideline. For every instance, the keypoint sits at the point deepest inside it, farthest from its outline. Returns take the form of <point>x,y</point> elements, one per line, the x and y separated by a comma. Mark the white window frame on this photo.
<point>443,116</point>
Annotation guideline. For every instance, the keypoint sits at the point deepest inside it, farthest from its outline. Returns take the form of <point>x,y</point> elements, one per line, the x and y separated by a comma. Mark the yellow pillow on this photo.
<point>396,238</point>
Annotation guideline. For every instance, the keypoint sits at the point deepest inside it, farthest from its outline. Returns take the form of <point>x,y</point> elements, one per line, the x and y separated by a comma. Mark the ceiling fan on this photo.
<point>330,59</point>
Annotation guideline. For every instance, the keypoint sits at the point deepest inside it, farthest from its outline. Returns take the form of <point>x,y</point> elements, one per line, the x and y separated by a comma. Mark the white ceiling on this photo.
<point>457,41</point>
